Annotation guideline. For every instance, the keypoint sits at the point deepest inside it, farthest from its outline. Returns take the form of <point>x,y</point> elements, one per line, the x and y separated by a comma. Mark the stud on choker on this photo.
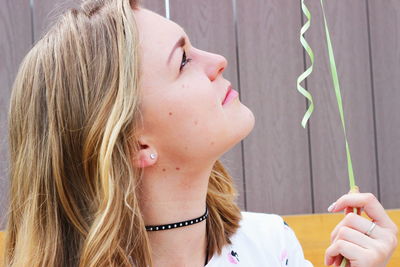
<point>152,228</point>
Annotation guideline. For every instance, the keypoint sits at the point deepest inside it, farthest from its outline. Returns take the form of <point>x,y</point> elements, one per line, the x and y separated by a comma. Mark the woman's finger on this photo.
<point>338,261</point>
<point>335,261</point>
<point>369,203</point>
<point>344,248</point>
<point>359,224</point>
<point>355,237</point>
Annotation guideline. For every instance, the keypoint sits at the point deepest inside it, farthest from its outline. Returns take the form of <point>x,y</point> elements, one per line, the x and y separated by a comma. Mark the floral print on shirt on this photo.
<point>233,257</point>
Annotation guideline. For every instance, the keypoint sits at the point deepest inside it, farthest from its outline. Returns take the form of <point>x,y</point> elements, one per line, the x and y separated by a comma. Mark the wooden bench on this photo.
<point>313,232</point>
<point>1,247</point>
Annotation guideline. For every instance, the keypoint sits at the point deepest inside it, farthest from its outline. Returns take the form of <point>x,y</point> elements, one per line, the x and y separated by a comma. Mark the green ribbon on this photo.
<point>336,86</point>
<point>305,74</point>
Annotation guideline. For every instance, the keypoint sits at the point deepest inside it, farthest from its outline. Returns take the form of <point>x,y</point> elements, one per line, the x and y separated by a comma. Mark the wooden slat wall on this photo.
<point>385,39</point>
<point>349,30</point>
<point>276,158</point>
<point>15,42</point>
<point>281,167</point>
<point>157,6</point>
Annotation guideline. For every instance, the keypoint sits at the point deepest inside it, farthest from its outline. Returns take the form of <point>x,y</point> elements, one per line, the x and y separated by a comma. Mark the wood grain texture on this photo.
<point>276,153</point>
<point>348,26</point>
<point>210,26</point>
<point>385,40</point>
<point>15,42</point>
<point>157,6</point>
<point>2,247</point>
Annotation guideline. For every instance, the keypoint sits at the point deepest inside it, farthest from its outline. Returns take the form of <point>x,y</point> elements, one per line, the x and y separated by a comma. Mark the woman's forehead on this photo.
<point>156,33</point>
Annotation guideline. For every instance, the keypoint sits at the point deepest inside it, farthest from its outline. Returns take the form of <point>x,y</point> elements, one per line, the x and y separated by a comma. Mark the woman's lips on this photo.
<point>230,95</point>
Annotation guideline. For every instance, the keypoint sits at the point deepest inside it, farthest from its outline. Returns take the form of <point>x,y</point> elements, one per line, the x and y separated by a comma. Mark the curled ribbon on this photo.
<point>305,74</point>
<point>336,85</point>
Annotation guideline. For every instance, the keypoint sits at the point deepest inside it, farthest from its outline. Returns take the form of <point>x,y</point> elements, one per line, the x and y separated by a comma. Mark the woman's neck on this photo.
<point>168,197</point>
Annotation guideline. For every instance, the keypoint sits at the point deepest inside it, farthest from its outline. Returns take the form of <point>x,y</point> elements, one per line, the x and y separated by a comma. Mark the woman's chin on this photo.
<point>242,128</point>
<point>246,124</point>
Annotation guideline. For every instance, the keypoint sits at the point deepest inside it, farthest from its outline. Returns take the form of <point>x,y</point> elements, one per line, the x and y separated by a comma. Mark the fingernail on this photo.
<point>332,207</point>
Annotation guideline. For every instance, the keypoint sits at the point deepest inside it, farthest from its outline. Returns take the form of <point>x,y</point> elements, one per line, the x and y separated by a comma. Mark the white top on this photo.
<point>262,240</point>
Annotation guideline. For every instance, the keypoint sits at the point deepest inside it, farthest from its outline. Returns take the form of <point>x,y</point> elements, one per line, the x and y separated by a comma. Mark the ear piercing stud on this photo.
<point>152,156</point>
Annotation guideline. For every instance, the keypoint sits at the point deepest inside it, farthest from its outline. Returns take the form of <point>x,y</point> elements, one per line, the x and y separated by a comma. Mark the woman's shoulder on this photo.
<point>265,221</point>
<point>261,229</point>
<point>262,240</point>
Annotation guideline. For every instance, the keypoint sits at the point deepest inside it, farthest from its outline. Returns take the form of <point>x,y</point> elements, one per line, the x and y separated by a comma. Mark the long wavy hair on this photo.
<point>72,122</point>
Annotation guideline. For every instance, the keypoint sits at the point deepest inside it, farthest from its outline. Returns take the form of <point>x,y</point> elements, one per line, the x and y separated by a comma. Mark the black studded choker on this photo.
<point>177,224</point>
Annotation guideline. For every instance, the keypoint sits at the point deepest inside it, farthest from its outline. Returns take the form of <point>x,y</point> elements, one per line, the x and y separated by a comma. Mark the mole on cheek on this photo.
<point>170,113</point>
<point>163,169</point>
<point>212,143</point>
<point>177,168</point>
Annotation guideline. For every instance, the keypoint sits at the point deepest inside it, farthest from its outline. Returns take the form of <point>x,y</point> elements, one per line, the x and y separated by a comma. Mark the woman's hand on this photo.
<point>350,239</point>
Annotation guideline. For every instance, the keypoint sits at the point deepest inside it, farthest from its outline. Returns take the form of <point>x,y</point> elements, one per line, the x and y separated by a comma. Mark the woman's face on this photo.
<point>183,91</point>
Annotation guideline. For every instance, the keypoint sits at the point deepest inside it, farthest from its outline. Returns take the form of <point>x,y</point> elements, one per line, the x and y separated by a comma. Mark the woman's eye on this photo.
<point>184,61</point>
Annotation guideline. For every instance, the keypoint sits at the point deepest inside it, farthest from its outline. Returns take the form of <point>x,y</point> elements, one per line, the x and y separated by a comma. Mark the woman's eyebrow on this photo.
<point>181,42</point>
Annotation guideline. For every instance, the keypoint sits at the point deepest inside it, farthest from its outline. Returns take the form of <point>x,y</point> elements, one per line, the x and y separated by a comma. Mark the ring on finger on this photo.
<point>371,228</point>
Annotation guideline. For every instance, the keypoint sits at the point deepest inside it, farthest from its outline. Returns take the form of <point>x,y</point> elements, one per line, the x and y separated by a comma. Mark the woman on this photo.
<point>116,127</point>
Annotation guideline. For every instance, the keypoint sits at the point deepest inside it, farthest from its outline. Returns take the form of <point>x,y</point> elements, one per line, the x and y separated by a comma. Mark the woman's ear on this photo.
<point>145,157</point>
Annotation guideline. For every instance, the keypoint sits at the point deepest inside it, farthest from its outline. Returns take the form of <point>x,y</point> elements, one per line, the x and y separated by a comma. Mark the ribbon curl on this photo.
<point>307,73</point>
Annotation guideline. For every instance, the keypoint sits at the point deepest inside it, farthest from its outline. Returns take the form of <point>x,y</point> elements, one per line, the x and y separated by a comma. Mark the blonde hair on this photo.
<point>72,120</point>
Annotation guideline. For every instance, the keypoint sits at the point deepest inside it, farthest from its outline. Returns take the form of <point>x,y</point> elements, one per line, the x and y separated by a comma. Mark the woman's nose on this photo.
<point>216,65</point>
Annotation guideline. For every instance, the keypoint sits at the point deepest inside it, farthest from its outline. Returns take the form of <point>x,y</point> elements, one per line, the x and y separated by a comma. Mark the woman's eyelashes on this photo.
<point>184,61</point>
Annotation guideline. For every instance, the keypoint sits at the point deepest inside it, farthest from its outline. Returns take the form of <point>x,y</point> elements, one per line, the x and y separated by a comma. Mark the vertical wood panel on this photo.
<point>349,32</point>
<point>385,44</point>
<point>276,153</point>
<point>210,26</point>
<point>15,41</point>
<point>157,6</point>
